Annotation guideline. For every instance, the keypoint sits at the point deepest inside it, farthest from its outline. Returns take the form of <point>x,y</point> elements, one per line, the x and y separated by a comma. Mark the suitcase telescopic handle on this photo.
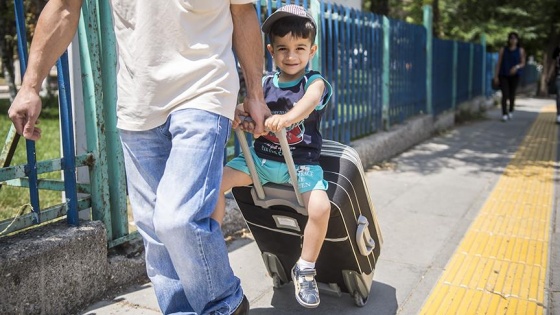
<point>281,135</point>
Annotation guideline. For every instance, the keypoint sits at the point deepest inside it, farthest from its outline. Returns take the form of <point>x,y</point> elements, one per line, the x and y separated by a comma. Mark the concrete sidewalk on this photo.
<point>425,200</point>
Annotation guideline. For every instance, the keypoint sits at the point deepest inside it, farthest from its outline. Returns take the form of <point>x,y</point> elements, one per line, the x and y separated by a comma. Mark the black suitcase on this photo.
<point>277,220</point>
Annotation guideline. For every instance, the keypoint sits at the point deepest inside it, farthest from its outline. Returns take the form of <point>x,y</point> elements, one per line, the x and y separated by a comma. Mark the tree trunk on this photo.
<point>380,7</point>
<point>7,30</point>
<point>548,62</point>
<point>436,29</point>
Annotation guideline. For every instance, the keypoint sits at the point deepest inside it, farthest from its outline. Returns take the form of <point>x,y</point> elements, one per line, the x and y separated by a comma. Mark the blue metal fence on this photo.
<point>442,75</point>
<point>463,57</point>
<point>491,60</point>
<point>407,64</point>
<point>477,70</point>
<point>351,53</point>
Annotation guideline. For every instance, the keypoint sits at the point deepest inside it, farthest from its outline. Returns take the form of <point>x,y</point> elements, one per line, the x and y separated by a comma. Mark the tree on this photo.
<point>536,22</point>
<point>8,37</point>
<point>7,44</point>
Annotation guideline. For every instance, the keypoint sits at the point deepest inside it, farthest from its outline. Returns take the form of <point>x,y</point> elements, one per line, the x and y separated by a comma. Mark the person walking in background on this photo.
<point>177,89</point>
<point>511,60</point>
<point>553,77</point>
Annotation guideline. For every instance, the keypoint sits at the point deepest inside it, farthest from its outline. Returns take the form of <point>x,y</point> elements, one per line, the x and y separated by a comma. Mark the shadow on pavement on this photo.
<point>484,147</point>
<point>382,301</point>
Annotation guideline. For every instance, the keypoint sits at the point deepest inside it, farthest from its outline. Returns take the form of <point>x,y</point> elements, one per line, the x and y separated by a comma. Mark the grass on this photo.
<point>48,147</point>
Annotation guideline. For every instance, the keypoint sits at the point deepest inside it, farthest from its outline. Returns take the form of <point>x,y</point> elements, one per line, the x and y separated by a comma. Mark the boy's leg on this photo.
<point>318,207</point>
<point>303,273</point>
<point>231,178</point>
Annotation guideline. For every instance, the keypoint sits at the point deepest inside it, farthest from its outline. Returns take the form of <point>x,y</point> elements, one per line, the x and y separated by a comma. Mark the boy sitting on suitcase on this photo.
<point>297,99</point>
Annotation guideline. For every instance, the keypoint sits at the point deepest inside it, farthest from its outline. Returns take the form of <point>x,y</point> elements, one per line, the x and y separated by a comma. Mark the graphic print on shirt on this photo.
<point>294,133</point>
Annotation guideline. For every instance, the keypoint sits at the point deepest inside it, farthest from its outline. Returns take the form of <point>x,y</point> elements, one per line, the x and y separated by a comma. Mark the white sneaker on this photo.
<point>558,119</point>
<point>505,118</point>
<point>510,115</point>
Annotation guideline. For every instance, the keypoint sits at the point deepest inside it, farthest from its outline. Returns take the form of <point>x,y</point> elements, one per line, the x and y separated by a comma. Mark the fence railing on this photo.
<point>382,71</point>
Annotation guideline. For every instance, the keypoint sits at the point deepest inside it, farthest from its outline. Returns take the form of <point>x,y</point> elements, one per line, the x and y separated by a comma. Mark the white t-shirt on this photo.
<point>173,54</point>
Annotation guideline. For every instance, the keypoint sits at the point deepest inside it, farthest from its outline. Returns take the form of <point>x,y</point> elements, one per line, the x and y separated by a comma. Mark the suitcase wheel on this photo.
<point>276,281</point>
<point>359,300</point>
<point>275,269</point>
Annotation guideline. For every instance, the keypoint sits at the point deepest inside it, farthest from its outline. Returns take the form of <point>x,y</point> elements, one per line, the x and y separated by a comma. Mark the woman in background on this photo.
<point>508,68</point>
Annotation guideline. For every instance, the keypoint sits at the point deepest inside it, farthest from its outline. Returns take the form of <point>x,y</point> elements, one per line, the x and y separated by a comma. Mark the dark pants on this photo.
<point>508,85</point>
<point>558,95</point>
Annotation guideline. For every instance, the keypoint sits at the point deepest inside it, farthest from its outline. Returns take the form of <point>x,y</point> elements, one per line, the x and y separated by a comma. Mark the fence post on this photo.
<point>29,144</point>
<point>115,160</point>
<point>483,43</point>
<point>386,72</point>
<point>471,65</point>
<point>428,24</point>
<point>317,13</point>
<point>88,31</point>
<point>454,75</point>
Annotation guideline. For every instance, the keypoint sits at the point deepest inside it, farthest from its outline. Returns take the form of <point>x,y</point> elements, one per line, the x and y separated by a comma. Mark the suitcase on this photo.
<point>276,217</point>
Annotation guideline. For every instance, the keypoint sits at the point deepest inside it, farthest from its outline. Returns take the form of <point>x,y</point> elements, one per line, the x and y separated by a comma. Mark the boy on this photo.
<point>296,98</point>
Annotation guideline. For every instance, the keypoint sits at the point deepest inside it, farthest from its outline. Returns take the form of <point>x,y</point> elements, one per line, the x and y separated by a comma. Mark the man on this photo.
<point>177,90</point>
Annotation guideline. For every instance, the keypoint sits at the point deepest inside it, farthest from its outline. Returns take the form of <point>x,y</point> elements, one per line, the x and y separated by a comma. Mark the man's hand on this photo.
<point>24,113</point>
<point>242,119</point>
<point>258,111</point>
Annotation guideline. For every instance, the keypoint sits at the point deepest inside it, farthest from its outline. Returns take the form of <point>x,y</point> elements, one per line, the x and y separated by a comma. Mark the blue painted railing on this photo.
<point>442,75</point>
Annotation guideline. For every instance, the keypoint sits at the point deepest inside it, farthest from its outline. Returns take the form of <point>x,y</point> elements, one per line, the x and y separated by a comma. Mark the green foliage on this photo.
<point>48,147</point>
<point>536,21</point>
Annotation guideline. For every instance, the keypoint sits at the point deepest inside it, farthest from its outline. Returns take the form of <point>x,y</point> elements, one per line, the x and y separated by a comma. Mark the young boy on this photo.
<point>296,98</point>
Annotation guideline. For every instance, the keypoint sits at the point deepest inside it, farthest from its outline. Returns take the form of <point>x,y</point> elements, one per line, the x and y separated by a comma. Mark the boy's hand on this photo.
<point>276,123</point>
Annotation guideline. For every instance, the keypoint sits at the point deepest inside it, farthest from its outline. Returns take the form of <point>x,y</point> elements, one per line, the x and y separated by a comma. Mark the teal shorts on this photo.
<point>310,177</point>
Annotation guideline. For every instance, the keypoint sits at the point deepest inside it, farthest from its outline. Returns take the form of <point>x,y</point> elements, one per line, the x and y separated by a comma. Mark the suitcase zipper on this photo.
<point>339,239</point>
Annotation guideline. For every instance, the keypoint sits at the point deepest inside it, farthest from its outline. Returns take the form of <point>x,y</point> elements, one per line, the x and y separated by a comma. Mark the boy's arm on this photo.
<point>312,97</point>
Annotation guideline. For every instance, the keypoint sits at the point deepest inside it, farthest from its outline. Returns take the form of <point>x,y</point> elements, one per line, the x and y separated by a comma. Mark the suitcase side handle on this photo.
<point>365,242</point>
<point>282,137</point>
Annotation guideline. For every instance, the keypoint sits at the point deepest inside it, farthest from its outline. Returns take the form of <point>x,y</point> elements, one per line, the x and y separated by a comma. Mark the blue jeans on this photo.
<point>174,173</point>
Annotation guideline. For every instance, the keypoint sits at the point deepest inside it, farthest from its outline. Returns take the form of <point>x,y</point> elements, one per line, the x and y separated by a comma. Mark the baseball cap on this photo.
<point>285,11</point>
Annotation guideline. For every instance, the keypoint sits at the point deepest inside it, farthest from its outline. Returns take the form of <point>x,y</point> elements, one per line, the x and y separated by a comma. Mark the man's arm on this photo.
<point>248,45</point>
<point>55,29</point>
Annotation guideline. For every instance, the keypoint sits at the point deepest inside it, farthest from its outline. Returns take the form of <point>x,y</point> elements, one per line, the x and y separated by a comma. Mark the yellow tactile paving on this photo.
<point>501,264</point>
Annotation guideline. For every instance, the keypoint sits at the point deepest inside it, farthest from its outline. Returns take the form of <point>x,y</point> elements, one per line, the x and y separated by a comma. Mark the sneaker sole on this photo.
<point>302,303</point>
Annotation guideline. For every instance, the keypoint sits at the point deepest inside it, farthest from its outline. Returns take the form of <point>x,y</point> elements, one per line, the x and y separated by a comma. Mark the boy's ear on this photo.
<point>270,49</point>
<point>313,50</point>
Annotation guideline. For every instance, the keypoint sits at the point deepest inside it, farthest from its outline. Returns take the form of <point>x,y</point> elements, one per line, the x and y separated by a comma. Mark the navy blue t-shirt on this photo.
<point>510,58</point>
<point>304,137</point>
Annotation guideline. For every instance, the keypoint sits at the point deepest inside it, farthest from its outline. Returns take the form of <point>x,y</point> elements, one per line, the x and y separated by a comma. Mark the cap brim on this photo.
<point>273,18</point>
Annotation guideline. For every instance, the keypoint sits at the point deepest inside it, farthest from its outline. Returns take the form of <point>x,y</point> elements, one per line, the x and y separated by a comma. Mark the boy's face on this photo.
<point>291,54</point>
